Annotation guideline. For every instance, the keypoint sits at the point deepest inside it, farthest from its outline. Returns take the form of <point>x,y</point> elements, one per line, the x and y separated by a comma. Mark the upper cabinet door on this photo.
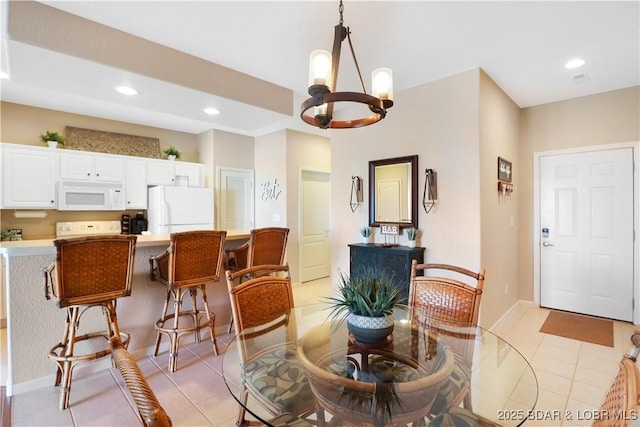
<point>189,174</point>
<point>136,188</point>
<point>78,166</point>
<point>161,172</point>
<point>29,178</point>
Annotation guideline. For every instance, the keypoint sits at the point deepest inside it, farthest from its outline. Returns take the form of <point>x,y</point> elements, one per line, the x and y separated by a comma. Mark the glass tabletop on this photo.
<point>398,381</point>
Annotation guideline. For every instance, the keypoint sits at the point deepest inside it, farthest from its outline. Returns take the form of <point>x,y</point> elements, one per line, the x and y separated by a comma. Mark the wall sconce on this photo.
<point>356,193</point>
<point>430,192</point>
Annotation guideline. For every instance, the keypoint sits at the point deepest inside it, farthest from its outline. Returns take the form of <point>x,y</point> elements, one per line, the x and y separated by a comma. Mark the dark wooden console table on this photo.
<point>395,260</point>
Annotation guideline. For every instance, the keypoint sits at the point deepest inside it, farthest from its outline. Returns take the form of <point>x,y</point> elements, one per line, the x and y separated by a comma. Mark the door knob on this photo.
<point>547,244</point>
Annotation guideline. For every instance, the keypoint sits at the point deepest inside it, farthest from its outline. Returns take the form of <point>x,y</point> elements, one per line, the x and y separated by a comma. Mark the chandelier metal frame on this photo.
<point>321,93</point>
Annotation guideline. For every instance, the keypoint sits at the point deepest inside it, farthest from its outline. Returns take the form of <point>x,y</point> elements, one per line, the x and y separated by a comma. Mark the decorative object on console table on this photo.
<point>412,234</point>
<point>396,260</point>
<point>52,139</point>
<point>366,301</point>
<point>172,153</point>
<point>365,232</point>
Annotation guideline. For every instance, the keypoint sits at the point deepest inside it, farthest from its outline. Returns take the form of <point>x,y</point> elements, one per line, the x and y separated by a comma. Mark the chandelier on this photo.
<point>323,75</point>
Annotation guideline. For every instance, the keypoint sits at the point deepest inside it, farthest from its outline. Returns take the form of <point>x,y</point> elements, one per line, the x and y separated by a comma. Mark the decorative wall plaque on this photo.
<point>113,143</point>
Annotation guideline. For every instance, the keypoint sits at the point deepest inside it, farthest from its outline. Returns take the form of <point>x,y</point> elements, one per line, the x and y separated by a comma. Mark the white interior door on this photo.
<point>236,199</point>
<point>314,225</point>
<point>586,232</point>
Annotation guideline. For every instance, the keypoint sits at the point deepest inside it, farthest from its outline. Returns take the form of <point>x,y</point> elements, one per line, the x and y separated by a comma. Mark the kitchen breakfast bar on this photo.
<point>35,324</point>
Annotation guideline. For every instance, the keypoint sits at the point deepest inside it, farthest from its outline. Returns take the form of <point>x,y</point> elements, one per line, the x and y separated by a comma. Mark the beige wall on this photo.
<point>223,149</point>
<point>499,131</point>
<point>605,118</point>
<point>439,122</point>
<point>304,151</point>
<point>271,166</point>
<point>23,124</point>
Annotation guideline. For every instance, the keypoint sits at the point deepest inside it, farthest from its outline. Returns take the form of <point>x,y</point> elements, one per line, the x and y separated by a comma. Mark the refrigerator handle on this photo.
<point>164,210</point>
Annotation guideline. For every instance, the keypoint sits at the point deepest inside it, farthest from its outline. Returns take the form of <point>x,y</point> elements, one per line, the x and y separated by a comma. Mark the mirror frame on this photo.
<point>413,160</point>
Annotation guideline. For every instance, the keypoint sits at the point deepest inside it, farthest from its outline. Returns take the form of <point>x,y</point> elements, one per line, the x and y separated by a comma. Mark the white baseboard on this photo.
<point>512,312</point>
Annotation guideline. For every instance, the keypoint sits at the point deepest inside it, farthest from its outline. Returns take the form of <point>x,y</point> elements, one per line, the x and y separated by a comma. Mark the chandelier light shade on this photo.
<point>318,110</point>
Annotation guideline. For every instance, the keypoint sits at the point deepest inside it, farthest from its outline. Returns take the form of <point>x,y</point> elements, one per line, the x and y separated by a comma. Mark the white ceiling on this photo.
<point>522,46</point>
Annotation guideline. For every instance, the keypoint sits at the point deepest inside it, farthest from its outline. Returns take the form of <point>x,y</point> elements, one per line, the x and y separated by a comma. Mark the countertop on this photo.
<point>45,246</point>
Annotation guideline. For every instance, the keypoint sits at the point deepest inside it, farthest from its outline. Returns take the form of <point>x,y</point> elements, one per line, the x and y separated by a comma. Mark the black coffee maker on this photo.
<point>138,224</point>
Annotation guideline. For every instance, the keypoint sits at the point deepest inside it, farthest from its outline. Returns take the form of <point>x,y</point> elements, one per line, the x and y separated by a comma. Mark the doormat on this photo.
<point>579,327</point>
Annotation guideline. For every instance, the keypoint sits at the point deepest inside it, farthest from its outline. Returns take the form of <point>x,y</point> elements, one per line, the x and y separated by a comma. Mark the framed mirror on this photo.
<point>393,191</point>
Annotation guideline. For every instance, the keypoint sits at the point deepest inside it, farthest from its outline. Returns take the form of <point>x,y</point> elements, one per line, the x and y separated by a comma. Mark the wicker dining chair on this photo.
<point>88,272</point>
<point>266,246</point>
<point>261,305</point>
<point>620,404</point>
<point>453,296</point>
<point>193,259</point>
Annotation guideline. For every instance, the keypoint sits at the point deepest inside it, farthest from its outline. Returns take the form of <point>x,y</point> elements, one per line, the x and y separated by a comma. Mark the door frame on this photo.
<point>635,145</point>
<point>301,171</point>
<point>219,171</point>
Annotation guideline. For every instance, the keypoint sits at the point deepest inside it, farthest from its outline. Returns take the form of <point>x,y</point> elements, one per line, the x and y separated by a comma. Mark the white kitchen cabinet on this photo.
<point>80,166</point>
<point>189,174</point>
<point>136,184</point>
<point>160,172</point>
<point>29,177</point>
<point>169,172</point>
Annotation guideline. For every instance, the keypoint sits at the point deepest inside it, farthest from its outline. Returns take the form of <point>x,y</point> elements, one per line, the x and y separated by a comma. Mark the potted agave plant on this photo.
<point>366,300</point>
<point>412,234</point>
<point>365,232</point>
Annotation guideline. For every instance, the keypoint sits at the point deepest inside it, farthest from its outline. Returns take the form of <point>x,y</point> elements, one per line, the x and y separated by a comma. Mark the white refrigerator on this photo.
<point>173,209</point>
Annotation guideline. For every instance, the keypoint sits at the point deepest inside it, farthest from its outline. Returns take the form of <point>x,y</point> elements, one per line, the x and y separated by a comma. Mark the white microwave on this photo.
<point>90,196</point>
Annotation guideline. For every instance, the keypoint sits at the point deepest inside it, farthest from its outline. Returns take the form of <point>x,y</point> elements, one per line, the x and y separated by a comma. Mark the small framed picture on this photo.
<point>504,170</point>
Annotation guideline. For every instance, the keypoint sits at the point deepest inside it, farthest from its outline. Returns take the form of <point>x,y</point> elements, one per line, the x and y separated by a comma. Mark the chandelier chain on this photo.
<point>341,9</point>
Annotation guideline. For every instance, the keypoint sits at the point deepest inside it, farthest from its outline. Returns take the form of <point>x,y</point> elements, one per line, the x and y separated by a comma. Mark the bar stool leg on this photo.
<point>211,318</point>
<point>173,336</point>
<point>195,314</point>
<point>66,366</point>
<point>162,317</point>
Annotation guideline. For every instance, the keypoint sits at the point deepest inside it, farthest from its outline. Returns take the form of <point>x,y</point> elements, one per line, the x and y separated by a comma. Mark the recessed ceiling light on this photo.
<point>574,63</point>
<point>4,76</point>
<point>126,90</point>
<point>211,111</point>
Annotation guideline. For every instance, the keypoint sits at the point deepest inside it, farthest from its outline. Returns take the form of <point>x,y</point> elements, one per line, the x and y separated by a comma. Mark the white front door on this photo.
<point>586,232</point>
<point>314,225</point>
<point>236,199</point>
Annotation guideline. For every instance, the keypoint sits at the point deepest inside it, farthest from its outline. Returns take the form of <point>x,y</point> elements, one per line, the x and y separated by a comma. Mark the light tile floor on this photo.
<point>572,376</point>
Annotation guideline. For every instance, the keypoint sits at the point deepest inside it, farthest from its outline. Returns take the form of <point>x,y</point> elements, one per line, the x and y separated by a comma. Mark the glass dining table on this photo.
<point>397,382</point>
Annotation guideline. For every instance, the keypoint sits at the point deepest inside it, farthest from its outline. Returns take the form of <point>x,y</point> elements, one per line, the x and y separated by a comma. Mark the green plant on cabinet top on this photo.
<point>172,151</point>
<point>52,136</point>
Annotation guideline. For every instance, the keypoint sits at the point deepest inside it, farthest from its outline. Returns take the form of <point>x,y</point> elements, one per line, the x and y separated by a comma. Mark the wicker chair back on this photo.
<point>92,269</point>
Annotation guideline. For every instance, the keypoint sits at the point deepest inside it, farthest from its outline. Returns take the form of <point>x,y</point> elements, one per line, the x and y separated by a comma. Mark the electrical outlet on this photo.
<point>506,289</point>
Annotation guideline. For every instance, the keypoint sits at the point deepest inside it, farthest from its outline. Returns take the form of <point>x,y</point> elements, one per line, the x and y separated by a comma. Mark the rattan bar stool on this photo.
<point>91,271</point>
<point>193,259</point>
